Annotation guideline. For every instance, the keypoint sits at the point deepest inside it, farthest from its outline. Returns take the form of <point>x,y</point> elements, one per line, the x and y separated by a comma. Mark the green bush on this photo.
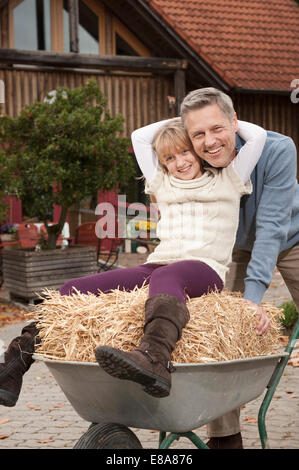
<point>290,314</point>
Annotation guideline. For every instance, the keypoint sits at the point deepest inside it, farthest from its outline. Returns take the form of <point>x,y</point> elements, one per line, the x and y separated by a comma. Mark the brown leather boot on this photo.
<point>149,364</point>
<point>226,442</point>
<point>17,360</point>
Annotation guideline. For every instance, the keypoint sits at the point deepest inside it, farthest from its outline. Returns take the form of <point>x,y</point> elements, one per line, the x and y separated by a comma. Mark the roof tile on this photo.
<point>252,44</point>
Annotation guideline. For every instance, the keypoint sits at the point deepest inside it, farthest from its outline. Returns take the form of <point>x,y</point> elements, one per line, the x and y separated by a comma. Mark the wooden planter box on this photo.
<point>27,273</point>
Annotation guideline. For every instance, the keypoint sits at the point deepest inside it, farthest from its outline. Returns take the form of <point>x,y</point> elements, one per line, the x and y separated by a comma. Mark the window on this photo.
<point>32,25</point>
<point>44,25</point>
<point>88,29</point>
<point>122,47</point>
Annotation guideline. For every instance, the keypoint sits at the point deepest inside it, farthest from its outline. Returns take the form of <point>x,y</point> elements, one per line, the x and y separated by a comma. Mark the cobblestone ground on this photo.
<point>44,419</point>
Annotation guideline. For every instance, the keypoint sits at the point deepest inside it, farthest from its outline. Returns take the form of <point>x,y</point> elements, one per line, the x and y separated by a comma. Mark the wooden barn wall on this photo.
<point>273,112</point>
<point>141,99</point>
<point>4,22</point>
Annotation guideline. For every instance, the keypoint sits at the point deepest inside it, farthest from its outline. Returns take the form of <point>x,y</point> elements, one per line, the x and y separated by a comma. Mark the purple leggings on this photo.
<point>193,278</point>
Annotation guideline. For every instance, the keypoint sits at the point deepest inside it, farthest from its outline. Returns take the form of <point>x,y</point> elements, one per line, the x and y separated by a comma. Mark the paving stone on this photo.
<point>61,427</point>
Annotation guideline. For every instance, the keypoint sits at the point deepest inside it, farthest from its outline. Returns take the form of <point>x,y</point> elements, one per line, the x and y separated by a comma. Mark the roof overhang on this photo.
<point>152,24</point>
<point>260,91</point>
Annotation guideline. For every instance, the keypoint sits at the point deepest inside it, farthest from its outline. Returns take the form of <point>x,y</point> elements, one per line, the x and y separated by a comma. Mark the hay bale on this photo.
<point>221,327</point>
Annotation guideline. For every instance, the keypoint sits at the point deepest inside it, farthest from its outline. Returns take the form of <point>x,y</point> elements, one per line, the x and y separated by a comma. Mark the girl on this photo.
<point>199,218</point>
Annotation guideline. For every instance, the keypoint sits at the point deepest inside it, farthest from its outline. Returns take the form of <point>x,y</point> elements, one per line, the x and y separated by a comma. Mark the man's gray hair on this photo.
<point>201,97</point>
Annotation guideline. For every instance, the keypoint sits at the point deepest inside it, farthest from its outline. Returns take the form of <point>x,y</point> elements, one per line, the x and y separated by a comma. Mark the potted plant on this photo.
<point>61,151</point>
<point>8,232</point>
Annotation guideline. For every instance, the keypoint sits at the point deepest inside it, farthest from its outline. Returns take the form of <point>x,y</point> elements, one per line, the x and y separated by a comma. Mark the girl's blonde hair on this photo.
<point>169,139</point>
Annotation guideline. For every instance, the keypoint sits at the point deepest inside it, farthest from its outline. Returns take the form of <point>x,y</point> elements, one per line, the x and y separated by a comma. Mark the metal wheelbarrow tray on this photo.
<point>200,393</point>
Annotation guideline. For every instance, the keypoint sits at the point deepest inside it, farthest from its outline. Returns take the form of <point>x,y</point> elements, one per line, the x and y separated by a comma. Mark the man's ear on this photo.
<point>235,122</point>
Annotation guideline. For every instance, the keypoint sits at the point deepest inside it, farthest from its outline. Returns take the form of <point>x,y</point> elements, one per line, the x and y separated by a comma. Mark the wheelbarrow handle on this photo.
<point>272,385</point>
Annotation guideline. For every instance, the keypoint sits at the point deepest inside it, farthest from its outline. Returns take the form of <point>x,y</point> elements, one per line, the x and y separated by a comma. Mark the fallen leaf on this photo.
<point>33,407</point>
<point>4,421</point>
<point>10,314</point>
<point>58,405</point>
<point>250,419</point>
<point>45,441</point>
<point>289,391</point>
<point>4,436</point>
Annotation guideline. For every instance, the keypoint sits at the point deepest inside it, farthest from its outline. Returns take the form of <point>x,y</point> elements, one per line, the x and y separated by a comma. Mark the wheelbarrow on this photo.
<point>200,393</point>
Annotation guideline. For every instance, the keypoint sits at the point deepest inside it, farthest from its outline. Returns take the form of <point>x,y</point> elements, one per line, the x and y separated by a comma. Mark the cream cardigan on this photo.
<point>198,218</point>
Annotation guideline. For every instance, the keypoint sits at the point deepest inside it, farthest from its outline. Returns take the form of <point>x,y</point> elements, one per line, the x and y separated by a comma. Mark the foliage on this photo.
<point>290,314</point>
<point>61,151</point>
<point>8,228</point>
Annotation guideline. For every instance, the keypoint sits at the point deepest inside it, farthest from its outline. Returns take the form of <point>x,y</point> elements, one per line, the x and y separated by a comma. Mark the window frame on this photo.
<point>129,37</point>
<point>57,28</point>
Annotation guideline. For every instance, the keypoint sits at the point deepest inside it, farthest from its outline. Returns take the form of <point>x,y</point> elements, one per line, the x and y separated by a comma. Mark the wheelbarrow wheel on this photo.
<point>108,436</point>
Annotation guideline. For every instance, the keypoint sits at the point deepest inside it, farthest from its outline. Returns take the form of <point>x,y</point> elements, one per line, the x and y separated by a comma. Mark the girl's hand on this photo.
<point>263,321</point>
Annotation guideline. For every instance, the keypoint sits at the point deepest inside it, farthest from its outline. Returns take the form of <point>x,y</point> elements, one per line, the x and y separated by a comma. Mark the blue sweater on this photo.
<point>269,217</point>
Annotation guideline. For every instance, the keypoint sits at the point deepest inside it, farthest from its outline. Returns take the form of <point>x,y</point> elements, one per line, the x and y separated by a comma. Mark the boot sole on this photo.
<point>116,365</point>
<point>7,398</point>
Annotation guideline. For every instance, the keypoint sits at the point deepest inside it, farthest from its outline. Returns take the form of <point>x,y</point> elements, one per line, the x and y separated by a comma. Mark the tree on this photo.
<point>61,151</point>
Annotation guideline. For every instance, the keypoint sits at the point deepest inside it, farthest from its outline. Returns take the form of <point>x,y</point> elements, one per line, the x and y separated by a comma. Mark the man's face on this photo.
<point>212,135</point>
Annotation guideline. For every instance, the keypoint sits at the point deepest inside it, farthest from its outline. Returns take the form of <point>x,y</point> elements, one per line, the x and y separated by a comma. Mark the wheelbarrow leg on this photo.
<point>272,386</point>
<point>166,441</point>
<point>162,436</point>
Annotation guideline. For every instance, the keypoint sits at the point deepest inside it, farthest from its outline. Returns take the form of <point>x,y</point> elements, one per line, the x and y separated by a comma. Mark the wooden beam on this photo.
<point>75,60</point>
<point>73,6</point>
<point>3,3</point>
<point>179,89</point>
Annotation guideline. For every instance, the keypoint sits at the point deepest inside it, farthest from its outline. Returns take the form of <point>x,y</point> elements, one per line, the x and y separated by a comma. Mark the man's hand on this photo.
<point>263,321</point>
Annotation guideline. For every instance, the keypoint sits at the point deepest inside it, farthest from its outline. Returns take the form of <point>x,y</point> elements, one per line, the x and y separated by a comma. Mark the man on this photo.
<point>268,232</point>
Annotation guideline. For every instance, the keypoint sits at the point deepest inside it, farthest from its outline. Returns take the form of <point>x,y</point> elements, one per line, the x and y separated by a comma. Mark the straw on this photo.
<point>221,326</point>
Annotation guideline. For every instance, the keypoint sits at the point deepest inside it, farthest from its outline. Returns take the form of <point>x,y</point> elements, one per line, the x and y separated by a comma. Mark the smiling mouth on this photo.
<point>214,151</point>
<point>184,170</point>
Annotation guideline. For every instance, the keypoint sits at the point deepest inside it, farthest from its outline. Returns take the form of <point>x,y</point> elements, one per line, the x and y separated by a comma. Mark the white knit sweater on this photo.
<point>199,217</point>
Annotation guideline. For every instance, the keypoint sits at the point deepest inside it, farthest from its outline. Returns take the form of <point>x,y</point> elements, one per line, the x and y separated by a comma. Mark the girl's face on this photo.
<point>184,165</point>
